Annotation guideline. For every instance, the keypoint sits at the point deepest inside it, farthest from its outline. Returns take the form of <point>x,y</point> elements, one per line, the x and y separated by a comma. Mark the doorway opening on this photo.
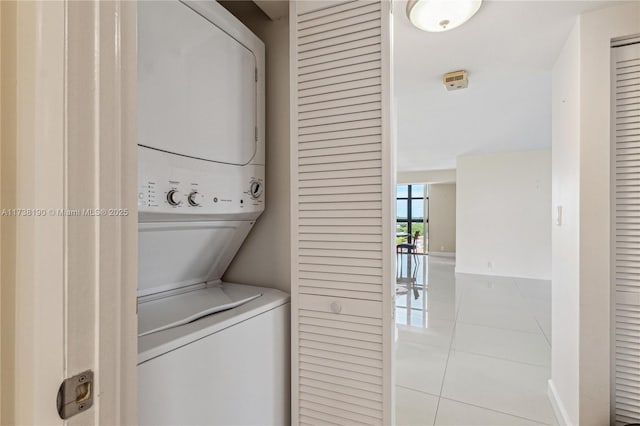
<point>473,317</point>
<point>412,216</point>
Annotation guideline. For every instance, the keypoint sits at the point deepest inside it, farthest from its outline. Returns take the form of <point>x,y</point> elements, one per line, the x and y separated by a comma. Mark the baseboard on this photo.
<point>442,254</point>
<point>558,408</point>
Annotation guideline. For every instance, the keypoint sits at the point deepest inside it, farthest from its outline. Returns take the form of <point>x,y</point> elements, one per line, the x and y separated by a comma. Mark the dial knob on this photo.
<point>194,199</point>
<point>173,197</point>
<point>255,190</point>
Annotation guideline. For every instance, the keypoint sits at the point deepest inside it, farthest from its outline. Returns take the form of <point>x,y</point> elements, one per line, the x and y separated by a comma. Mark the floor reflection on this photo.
<point>424,290</point>
<point>411,282</point>
<point>470,349</point>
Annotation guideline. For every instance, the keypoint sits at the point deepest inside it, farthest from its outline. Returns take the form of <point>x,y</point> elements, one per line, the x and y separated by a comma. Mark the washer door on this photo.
<point>173,255</point>
<point>197,91</point>
<point>180,309</point>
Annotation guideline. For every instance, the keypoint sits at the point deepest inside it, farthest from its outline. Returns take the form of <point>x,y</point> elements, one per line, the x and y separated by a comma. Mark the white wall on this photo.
<point>565,184</point>
<point>503,219</point>
<point>427,176</point>
<point>265,257</point>
<point>582,136</point>
<point>597,30</point>
<point>442,218</point>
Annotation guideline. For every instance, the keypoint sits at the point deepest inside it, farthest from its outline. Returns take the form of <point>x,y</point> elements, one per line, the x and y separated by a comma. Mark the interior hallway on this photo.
<point>471,349</point>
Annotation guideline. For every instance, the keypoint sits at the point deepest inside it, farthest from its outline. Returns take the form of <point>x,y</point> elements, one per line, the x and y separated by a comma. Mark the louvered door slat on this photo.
<point>336,48</point>
<point>340,112</point>
<point>338,150</point>
<point>356,193</point>
<point>352,294</point>
<point>335,127</point>
<point>336,35</point>
<point>626,342</point>
<point>342,325</point>
<point>362,231</point>
<point>313,417</point>
<point>336,15</point>
<point>342,389</point>
<point>346,117</point>
<point>333,105</point>
<point>346,54</point>
<point>349,417</point>
<point>358,205</point>
<point>367,355</point>
<point>353,278</point>
<point>331,45</point>
<point>365,406</point>
<point>341,173</point>
<point>339,342</point>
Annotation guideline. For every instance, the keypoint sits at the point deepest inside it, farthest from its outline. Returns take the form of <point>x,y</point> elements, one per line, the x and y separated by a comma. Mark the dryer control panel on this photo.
<point>176,185</point>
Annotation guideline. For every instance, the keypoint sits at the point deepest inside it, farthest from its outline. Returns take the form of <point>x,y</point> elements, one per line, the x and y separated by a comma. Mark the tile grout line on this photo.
<point>471,404</point>
<point>444,374</point>
<point>429,345</point>
<point>417,390</point>
<point>529,364</point>
<point>515,281</point>
<point>494,410</point>
<point>508,329</point>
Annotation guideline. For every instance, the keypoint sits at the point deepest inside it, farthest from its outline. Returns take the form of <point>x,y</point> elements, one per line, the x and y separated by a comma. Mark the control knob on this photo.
<point>173,197</point>
<point>194,198</point>
<point>255,190</point>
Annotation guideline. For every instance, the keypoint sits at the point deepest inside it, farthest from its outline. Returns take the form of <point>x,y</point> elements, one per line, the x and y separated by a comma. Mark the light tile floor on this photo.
<point>470,349</point>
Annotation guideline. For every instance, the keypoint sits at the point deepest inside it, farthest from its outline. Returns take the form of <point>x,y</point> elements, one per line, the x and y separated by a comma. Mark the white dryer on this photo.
<point>210,352</point>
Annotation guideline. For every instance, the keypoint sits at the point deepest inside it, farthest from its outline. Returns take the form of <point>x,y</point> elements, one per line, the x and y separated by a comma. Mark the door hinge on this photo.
<point>75,394</point>
<point>256,70</point>
<point>256,132</point>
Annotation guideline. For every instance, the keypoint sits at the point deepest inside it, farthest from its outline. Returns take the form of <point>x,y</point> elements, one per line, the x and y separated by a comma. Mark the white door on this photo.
<point>68,226</point>
<point>342,211</point>
<point>626,262</point>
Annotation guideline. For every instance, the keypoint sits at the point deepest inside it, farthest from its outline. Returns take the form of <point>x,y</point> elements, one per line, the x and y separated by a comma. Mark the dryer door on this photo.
<point>196,86</point>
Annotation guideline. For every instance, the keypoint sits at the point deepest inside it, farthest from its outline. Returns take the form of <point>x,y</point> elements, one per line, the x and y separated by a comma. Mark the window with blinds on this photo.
<point>626,139</point>
<point>342,219</point>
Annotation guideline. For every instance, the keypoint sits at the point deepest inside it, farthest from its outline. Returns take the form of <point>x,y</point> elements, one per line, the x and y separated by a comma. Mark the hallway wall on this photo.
<point>427,176</point>
<point>442,218</point>
<point>565,100</point>
<point>503,206</point>
<point>581,353</point>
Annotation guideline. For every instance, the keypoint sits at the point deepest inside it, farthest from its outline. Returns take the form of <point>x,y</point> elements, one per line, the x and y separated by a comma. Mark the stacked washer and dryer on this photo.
<point>210,352</point>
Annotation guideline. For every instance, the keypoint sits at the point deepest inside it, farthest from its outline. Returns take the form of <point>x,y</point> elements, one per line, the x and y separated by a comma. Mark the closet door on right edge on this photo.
<point>626,233</point>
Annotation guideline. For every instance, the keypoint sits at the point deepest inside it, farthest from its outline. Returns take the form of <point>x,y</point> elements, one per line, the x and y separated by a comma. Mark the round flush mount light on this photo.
<point>441,15</point>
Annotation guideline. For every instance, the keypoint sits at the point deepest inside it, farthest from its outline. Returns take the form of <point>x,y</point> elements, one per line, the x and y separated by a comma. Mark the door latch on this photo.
<point>75,394</point>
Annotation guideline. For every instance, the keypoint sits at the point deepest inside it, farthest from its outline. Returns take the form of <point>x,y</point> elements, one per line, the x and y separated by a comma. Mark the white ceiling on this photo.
<point>508,49</point>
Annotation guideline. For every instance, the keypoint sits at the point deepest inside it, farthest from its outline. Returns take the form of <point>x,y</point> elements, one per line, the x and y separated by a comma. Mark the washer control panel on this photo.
<point>173,184</point>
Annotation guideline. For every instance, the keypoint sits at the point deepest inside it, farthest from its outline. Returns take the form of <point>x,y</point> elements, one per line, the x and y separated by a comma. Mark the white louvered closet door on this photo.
<point>342,213</point>
<point>626,104</point>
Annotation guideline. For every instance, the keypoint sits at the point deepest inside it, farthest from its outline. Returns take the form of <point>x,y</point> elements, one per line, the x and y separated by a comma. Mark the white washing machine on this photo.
<point>210,352</point>
<point>229,368</point>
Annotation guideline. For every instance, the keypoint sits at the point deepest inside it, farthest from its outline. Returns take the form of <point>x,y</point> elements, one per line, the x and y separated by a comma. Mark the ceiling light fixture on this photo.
<point>441,15</point>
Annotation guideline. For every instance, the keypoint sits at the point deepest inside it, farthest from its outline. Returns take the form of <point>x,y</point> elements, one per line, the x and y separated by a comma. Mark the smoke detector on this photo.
<point>455,80</point>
